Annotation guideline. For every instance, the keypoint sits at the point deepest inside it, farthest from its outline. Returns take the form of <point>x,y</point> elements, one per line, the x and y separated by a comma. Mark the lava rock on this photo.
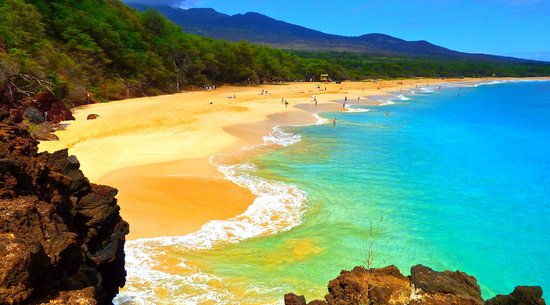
<point>61,237</point>
<point>522,295</point>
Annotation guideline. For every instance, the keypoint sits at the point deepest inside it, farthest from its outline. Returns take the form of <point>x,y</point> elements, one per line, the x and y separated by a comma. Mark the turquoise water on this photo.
<point>458,178</point>
<point>454,179</point>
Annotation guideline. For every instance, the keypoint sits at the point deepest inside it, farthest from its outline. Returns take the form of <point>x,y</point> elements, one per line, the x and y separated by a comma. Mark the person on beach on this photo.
<point>344,105</point>
<point>334,122</point>
<point>286,104</point>
<point>346,98</point>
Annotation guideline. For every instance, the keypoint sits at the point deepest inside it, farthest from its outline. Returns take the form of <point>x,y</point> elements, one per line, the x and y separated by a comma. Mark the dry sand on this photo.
<point>156,150</point>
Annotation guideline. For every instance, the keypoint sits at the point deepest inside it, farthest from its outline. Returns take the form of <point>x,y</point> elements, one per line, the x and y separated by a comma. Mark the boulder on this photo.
<point>292,299</point>
<point>522,295</point>
<point>457,285</point>
<point>92,116</point>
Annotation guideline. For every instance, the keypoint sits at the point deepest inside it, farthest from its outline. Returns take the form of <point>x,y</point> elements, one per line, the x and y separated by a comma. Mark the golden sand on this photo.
<point>156,150</point>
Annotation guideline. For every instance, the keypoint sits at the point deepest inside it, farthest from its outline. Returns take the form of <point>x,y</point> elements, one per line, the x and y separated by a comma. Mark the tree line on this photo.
<point>103,49</point>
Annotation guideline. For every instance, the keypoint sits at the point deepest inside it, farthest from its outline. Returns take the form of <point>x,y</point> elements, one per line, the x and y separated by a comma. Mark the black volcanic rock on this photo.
<point>61,237</point>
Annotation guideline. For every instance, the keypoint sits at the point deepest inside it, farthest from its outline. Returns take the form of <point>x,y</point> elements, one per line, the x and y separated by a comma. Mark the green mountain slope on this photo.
<point>108,49</point>
<point>93,50</point>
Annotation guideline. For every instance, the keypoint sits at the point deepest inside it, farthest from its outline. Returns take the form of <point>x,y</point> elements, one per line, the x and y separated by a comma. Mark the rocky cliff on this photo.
<point>424,287</point>
<point>61,237</point>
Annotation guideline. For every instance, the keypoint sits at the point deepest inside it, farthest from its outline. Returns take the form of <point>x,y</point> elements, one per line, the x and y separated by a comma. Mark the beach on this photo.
<point>156,150</point>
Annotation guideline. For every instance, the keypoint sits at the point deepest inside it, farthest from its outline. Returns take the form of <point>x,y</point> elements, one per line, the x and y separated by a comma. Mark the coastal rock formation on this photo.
<point>61,237</point>
<point>43,107</point>
<point>92,116</point>
<point>522,295</point>
<point>424,287</point>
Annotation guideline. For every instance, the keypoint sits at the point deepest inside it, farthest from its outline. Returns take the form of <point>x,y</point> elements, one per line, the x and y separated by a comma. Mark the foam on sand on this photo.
<point>278,207</point>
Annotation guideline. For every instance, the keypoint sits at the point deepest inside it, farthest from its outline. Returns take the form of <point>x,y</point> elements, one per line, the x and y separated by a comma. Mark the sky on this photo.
<point>519,28</point>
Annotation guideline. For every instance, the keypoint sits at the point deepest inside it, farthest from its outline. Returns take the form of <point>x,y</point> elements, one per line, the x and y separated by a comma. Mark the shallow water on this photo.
<point>454,178</point>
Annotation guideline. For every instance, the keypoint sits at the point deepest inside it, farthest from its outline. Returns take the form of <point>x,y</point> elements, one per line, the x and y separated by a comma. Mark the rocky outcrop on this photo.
<point>522,295</point>
<point>424,287</point>
<point>92,116</point>
<point>451,287</point>
<point>61,237</point>
<point>43,107</point>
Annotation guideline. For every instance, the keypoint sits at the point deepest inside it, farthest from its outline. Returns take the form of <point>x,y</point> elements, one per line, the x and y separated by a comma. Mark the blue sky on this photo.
<point>504,27</point>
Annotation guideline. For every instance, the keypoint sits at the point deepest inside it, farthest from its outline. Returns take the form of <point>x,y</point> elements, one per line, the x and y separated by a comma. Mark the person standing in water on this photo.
<point>334,122</point>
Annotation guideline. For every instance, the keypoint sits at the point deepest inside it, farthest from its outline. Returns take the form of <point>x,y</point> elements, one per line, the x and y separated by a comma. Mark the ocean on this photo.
<point>455,177</point>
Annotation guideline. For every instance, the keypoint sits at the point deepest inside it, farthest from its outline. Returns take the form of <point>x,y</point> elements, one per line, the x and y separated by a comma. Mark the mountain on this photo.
<point>261,29</point>
<point>88,50</point>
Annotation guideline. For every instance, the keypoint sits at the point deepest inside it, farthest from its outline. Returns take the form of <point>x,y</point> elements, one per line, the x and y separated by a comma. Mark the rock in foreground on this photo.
<point>424,287</point>
<point>61,237</point>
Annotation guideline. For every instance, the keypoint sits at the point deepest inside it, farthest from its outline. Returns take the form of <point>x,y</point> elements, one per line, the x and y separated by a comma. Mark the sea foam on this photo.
<point>278,207</point>
<point>279,137</point>
<point>387,103</point>
<point>356,109</point>
<point>403,97</point>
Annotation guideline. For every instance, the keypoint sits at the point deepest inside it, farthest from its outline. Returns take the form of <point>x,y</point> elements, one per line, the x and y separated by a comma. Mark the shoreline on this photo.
<point>161,162</point>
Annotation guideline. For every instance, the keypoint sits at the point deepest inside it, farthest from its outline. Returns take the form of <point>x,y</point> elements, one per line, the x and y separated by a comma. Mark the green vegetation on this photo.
<point>362,66</point>
<point>102,47</point>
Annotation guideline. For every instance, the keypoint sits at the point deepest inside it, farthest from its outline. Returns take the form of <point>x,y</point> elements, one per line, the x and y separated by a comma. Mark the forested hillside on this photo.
<point>94,50</point>
<point>107,49</point>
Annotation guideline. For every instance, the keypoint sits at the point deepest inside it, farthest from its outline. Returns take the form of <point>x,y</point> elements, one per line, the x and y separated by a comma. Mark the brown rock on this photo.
<point>458,284</point>
<point>61,238</point>
<point>369,286</point>
<point>4,114</point>
<point>92,116</point>
<point>522,295</point>
<point>292,299</point>
<point>424,287</point>
<point>317,302</point>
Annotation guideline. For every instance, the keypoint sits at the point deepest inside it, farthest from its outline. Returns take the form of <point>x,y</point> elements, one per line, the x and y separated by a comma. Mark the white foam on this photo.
<point>279,137</point>
<point>491,83</point>
<point>320,120</point>
<point>496,82</point>
<point>386,103</point>
<point>403,98</point>
<point>278,207</point>
<point>353,109</point>
<point>426,89</point>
